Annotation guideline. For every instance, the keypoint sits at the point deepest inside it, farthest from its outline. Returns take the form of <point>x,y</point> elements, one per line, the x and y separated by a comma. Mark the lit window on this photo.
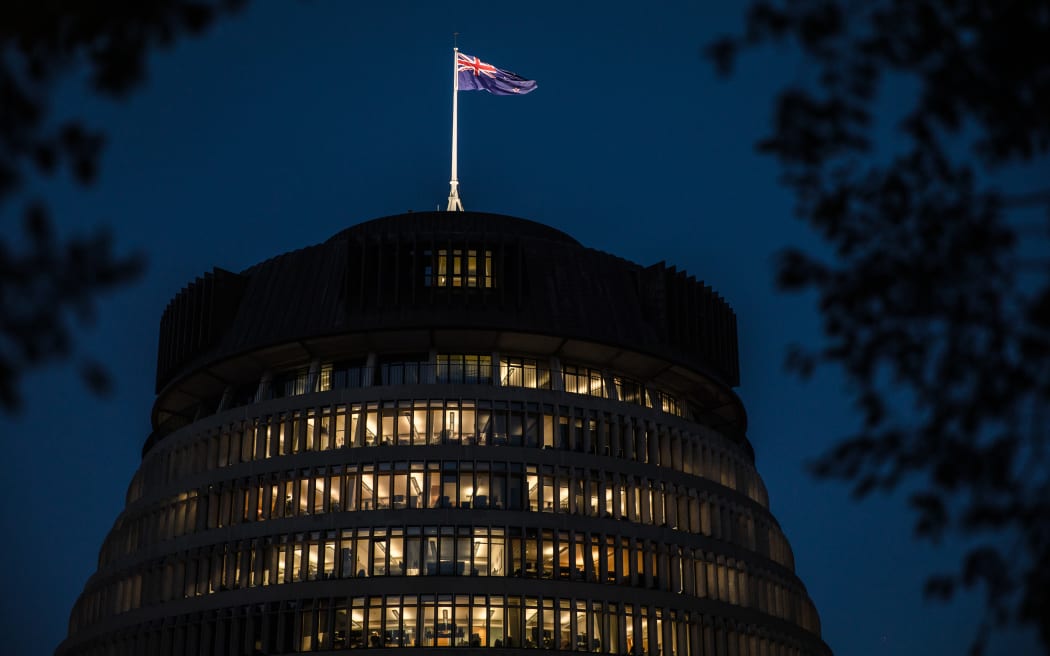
<point>582,380</point>
<point>524,372</point>
<point>458,368</point>
<point>458,268</point>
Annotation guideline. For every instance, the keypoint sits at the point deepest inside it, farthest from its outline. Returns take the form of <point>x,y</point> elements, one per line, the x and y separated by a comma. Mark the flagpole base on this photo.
<point>454,203</point>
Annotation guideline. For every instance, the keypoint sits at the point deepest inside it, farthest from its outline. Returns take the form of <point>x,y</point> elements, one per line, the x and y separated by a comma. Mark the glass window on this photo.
<point>429,624</point>
<point>549,498</point>
<point>329,559</point>
<point>387,435</point>
<point>563,628</point>
<point>410,621</point>
<point>468,426</point>
<point>532,481</point>
<point>303,492</point>
<point>382,490</point>
<point>533,624</point>
<point>524,372</point>
<point>414,426</point>
<point>393,636</point>
<point>464,551</point>
<point>458,267</point>
<point>430,555</point>
<point>374,628</point>
<point>464,368</point>
<point>379,553</point>
<point>461,623</point>
<point>447,555</point>
<point>414,494</point>
<point>433,487</point>
<point>411,555</point>
<point>466,486</point>
<point>367,488</point>
<point>360,552</point>
<point>514,488</point>
<point>583,380</point>
<point>494,636</point>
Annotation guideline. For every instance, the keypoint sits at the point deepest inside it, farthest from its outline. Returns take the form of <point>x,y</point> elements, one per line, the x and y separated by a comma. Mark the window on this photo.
<point>582,380</point>
<point>524,372</point>
<point>409,369</point>
<point>668,403</point>
<point>471,369</point>
<point>629,391</point>
<point>458,267</point>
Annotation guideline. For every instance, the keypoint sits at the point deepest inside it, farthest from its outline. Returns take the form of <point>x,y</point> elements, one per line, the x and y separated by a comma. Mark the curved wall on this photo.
<point>484,483</point>
<point>386,275</point>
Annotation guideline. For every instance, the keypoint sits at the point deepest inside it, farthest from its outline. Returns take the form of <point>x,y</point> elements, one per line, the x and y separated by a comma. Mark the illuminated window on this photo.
<point>458,267</point>
<point>582,380</point>
<point>297,382</point>
<point>458,368</point>
<point>524,372</point>
<point>629,391</point>
<point>668,403</point>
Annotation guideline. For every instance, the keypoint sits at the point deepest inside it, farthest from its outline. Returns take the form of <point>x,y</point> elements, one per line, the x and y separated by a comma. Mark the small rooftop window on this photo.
<point>458,267</point>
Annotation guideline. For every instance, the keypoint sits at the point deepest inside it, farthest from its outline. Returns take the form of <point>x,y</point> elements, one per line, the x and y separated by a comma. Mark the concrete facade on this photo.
<point>446,431</point>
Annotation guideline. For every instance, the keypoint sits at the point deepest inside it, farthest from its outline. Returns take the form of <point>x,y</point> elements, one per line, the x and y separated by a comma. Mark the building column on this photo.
<point>663,567</point>
<point>226,400</point>
<point>645,498</point>
<point>557,379</point>
<point>368,377</point>
<point>610,386</point>
<point>263,390</point>
<point>312,375</point>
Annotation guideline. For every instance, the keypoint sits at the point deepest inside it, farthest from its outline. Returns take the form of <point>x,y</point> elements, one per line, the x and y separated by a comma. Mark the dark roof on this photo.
<point>467,223</point>
<point>371,277</point>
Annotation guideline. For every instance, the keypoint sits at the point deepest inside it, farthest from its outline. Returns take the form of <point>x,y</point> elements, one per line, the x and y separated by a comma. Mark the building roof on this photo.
<point>381,276</point>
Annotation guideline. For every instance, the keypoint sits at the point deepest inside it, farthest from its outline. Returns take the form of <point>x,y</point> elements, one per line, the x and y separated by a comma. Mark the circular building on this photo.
<point>443,431</point>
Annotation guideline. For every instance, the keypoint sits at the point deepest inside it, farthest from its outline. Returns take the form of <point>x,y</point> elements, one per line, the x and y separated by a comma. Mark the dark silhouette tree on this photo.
<point>935,294</point>
<point>48,282</point>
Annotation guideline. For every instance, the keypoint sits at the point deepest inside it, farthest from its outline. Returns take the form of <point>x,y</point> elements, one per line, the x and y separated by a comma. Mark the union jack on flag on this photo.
<point>476,75</point>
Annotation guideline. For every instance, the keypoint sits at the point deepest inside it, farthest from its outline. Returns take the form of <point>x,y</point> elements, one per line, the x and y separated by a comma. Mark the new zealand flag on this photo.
<point>475,74</point>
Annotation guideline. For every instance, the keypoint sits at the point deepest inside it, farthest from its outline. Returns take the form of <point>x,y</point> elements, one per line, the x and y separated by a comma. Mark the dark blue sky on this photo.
<point>292,121</point>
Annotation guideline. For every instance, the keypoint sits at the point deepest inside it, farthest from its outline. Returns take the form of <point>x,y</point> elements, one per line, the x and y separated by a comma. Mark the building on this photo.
<point>446,430</point>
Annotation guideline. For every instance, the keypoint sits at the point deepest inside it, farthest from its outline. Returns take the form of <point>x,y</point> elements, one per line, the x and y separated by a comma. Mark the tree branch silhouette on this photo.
<point>48,282</point>
<point>943,336</point>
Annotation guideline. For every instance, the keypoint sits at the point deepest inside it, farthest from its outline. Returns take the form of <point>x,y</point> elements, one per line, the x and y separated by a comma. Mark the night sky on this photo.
<point>291,121</point>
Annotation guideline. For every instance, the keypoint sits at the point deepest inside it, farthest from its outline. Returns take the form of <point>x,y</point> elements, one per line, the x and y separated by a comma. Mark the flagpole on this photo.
<point>454,204</point>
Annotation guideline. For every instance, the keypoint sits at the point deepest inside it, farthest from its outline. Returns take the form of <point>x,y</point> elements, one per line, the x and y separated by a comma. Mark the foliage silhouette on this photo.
<point>941,327</point>
<point>47,280</point>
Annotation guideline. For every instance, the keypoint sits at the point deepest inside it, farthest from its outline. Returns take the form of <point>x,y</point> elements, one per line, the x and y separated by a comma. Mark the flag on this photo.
<point>475,74</point>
